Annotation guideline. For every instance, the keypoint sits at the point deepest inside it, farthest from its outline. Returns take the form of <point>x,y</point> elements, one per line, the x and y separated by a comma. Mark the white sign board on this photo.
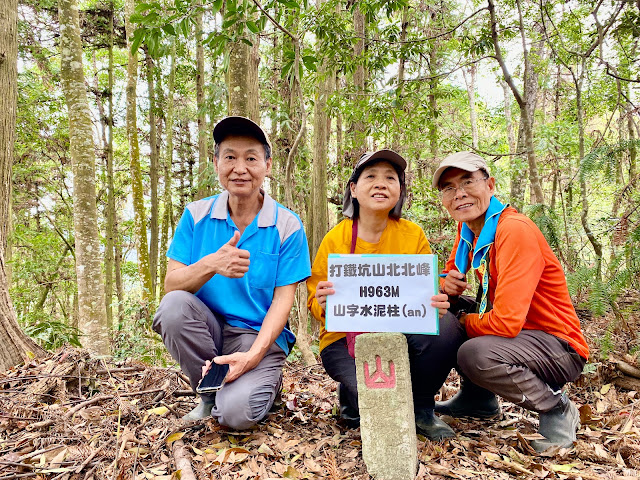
<point>382,293</point>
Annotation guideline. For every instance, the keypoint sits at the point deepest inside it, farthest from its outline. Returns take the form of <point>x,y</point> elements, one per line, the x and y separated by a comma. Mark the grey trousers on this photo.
<point>192,335</point>
<point>529,369</point>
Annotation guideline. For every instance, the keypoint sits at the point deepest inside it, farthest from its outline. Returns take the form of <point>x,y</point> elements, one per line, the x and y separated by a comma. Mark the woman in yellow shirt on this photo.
<point>373,206</point>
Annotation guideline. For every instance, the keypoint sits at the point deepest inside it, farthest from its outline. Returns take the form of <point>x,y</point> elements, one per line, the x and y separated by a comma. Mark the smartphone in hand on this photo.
<point>213,379</point>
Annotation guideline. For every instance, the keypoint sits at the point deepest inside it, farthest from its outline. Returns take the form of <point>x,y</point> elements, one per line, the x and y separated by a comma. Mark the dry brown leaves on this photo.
<point>71,418</point>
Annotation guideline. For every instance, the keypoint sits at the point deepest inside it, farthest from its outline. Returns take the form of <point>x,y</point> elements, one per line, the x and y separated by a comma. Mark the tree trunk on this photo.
<point>296,96</point>
<point>108,254</point>
<point>526,101</point>
<point>402,60</point>
<point>153,178</point>
<point>357,128</point>
<point>113,239</point>
<point>318,220</point>
<point>302,336</point>
<point>16,346</point>
<point>242,79</point>
<point>584,213</point>
<point>511,138</point>
<point>8,107</point>
<point>432,133</point>
<point>339,141</point>
<point>471,95</point>
<point>92,315</point>
<point>518,170</point>
<point>633,151</point>
<point>140,229</point>
<point>167,166</point>
<point>111,205</point>
<point>203,182</point>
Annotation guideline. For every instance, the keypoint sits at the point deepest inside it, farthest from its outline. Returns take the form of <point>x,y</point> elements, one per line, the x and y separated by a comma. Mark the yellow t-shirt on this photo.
<point>399,237</point>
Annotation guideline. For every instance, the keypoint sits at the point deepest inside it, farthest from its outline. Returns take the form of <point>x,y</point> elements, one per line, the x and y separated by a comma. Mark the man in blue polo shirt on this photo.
<point>234,263</point>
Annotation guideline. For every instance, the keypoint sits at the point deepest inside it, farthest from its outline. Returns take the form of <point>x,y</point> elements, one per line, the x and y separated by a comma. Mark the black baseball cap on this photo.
<point>239,126</point>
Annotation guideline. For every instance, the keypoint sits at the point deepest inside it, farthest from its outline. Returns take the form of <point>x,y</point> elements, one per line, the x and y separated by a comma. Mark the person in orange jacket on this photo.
<point>524,337</point>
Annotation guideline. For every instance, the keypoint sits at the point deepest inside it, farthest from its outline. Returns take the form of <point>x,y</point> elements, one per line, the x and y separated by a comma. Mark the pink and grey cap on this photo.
<point>239,126</point>
<point>368,158</point>
<point>468,161</point>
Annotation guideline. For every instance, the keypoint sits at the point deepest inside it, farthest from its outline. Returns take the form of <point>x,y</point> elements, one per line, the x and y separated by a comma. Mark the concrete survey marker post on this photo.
<point>387,420</point>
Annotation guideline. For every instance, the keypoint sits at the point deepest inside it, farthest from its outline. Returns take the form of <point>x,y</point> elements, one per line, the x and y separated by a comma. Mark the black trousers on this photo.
<point>431,358</point>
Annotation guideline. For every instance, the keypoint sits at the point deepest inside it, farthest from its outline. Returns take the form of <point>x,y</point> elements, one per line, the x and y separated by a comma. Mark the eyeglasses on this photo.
<point>467,186</point>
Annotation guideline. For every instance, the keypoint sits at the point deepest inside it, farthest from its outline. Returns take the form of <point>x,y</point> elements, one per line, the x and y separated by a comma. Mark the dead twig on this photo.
<point>163,393</point>
<point>144,392</point>
<point>183,463</point>
<point>184,393</point>
<point>69,414</point>
<point>627,369</point>
<point>628,383</point>
<point>27,456</point>
<point>20,475</point>
<point>171,409</point>
<point>105,371</point>
<point>91,401</point>
<point>92,456</point>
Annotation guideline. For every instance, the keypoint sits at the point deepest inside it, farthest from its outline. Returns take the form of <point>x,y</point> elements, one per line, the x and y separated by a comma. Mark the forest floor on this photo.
<point>70,417</point>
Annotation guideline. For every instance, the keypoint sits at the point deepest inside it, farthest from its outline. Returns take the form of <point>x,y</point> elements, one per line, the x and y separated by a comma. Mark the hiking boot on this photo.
<point>349,415</point>
<point>559,426</point>
<point>470,401</point>
<point>429,425</point>
<point>202,410</point>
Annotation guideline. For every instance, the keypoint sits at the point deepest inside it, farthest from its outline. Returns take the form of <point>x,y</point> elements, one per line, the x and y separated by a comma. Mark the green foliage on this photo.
<point>590,368</point>
<point>424,117</point>
<point>547,221</point>
<point>133,337</point>
<point>606,343</point>
<point>605,159</point>
<point>601,295</point>
<point>52,334</point>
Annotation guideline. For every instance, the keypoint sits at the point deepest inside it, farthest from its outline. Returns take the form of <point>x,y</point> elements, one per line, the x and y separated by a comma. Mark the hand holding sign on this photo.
<point>441,302</point>
<point>323,289</point>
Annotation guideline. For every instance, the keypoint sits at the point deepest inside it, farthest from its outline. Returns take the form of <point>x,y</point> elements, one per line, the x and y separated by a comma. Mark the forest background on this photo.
<point>116,101</point>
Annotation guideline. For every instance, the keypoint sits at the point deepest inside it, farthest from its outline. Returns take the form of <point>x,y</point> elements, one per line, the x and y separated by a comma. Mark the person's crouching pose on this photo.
<point>234,264</point>
<point>524,337</point>
<point>373,206</point>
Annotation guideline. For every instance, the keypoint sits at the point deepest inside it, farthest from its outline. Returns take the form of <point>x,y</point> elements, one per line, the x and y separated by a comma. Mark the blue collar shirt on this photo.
<point>279,255</point>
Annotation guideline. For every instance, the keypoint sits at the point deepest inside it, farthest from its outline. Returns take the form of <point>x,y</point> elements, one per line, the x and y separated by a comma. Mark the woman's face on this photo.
<point>377,189</point>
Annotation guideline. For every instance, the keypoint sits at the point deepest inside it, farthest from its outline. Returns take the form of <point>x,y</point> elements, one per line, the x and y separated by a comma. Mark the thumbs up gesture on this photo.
<point>231,261</point>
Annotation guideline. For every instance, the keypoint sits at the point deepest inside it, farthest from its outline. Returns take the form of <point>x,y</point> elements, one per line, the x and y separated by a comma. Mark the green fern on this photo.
<point>52,335</point>
<point>606,342</point>
<point>605,159</point>
<point>600,298</point>
<point>579,281</point>
<point>547,221</point>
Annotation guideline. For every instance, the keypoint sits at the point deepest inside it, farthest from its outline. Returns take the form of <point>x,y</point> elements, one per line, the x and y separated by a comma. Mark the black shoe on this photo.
<point>429,425</point>
<point>470,401</point>
<point>559,426</point>
<point>349,415</point>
